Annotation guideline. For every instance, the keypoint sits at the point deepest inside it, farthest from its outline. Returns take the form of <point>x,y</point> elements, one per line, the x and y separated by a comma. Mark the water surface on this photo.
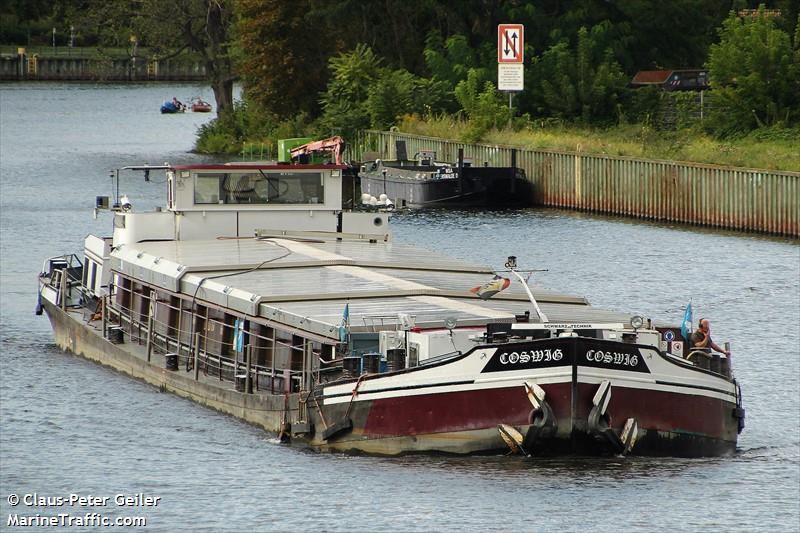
<point>70,426</point>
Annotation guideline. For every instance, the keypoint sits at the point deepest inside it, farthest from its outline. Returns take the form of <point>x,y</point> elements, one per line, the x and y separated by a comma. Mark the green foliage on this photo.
<point>755,75</point>
<point>227,133</point>
<point>431,96</point>
<point>449,62</point>
<point>344,103</point>
<point>585,83</point>
<point>390,96</point>
<point>363,94</point>
<point>482,104</point>
<point>251,132</point>
<point>687,108</point>
<point>778,134</point>
<point>643,105</point>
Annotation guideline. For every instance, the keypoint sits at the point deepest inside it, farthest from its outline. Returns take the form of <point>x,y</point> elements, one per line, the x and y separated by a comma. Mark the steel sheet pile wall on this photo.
<point>727,197</point>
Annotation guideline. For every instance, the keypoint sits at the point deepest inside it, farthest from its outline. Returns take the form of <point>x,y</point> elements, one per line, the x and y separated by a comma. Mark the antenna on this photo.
<point>511,265</point>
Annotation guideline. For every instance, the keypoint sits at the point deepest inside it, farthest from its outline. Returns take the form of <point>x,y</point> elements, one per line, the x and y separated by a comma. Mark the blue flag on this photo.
<point>686,326</point>
<point>238,335</point>
<point>345,323</point>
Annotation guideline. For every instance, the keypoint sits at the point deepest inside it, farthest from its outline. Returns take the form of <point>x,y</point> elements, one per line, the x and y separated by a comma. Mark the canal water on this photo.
<point>69,426</point>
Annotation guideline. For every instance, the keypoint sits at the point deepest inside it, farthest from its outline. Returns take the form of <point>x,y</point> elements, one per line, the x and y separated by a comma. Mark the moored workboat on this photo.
<point>424,182</point>
<point>252,292</point>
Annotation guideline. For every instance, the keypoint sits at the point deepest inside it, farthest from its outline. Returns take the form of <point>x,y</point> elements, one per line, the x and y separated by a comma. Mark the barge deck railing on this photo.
<point>214,356</point>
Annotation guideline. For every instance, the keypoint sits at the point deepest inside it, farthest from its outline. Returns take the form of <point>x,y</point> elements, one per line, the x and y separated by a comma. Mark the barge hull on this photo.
<point>679,425</point>
<point>456,423</point>
<point>86,340</point>
<point>478,190</point>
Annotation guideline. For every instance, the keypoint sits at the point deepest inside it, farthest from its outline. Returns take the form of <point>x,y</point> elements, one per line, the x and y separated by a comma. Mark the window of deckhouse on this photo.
<point>259,188</point>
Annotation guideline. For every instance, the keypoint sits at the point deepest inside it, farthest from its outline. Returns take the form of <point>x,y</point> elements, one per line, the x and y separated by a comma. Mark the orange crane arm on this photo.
<point>331,144</point>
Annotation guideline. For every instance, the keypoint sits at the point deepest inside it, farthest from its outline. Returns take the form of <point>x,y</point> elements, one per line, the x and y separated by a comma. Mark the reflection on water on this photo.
<point>67,425</point>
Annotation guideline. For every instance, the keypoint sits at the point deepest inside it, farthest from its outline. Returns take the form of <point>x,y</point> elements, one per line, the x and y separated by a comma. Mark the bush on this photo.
<point>643,105</point>
<point>245,124</point>
<point>217,142</point>
<point>484,108</point>
<point>362,94</point>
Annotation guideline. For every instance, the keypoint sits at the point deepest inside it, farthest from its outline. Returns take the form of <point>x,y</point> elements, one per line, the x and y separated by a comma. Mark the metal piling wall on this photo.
<point>747,199</point>
<point>33,68</point>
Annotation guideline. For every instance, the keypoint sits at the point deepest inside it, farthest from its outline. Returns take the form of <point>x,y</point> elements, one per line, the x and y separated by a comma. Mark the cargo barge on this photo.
<point>425,182</point>
<point>251,291</point>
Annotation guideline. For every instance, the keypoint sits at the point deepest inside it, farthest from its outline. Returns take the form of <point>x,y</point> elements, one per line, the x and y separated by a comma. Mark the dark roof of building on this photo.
<point>660,77</point>
<point>651,76</point>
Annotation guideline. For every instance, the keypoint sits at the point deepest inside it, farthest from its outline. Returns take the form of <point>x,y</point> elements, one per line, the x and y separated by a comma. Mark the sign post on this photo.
<point>510,58</point>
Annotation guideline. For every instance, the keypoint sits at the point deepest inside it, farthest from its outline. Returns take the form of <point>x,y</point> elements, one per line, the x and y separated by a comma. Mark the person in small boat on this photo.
<point>178,104</point>
<point>701,338</point>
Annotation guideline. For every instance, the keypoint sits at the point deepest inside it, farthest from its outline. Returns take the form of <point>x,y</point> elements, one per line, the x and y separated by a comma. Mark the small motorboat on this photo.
<point>174,106</point>
<point>200,106</point>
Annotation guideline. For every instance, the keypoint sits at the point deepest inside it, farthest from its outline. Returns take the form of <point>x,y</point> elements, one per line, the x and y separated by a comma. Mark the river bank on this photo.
<point>19,63</point>
<point>768,148</point>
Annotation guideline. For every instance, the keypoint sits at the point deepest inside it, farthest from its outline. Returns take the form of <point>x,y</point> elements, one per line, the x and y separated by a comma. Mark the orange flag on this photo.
<point>489,289</point>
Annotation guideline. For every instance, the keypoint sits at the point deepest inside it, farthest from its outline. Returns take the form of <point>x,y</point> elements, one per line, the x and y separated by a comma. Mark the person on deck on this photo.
<point>701,338</point>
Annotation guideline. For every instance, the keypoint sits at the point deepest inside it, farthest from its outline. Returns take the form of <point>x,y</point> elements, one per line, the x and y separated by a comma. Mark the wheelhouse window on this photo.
<point>260,188</point>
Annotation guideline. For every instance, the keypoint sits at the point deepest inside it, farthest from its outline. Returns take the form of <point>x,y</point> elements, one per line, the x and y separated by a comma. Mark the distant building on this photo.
<point>751,13</point>
<point>672,80</point>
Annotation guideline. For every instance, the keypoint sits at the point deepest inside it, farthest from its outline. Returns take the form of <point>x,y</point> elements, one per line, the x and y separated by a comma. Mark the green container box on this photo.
<point>285,146</point>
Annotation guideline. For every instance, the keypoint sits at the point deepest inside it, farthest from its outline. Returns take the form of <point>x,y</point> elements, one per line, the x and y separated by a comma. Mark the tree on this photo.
<point>202,26</point>
<point>362,93</point>
<point>168,28</point>
<point>584,83</point>
<point>673,34</point>
<point>285,47</point>
<point>449,62</point>
<point>344,102</point>
<point>755,76</point>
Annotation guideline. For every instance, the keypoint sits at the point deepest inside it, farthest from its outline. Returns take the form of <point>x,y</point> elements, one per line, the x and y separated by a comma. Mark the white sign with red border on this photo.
<point>510,41</point>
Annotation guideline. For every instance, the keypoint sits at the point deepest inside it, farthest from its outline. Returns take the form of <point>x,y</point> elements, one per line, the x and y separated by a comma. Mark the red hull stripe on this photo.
<point>466,410</point>
<point>450,411</point>
<point>663,411</point>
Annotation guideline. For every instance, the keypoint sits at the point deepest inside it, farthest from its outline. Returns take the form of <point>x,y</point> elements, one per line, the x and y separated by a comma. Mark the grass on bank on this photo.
<point>777,149</point>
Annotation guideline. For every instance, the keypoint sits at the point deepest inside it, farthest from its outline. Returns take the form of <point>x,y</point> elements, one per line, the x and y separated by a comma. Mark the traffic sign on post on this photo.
<point>510,42</point>
<point>510,77</point>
